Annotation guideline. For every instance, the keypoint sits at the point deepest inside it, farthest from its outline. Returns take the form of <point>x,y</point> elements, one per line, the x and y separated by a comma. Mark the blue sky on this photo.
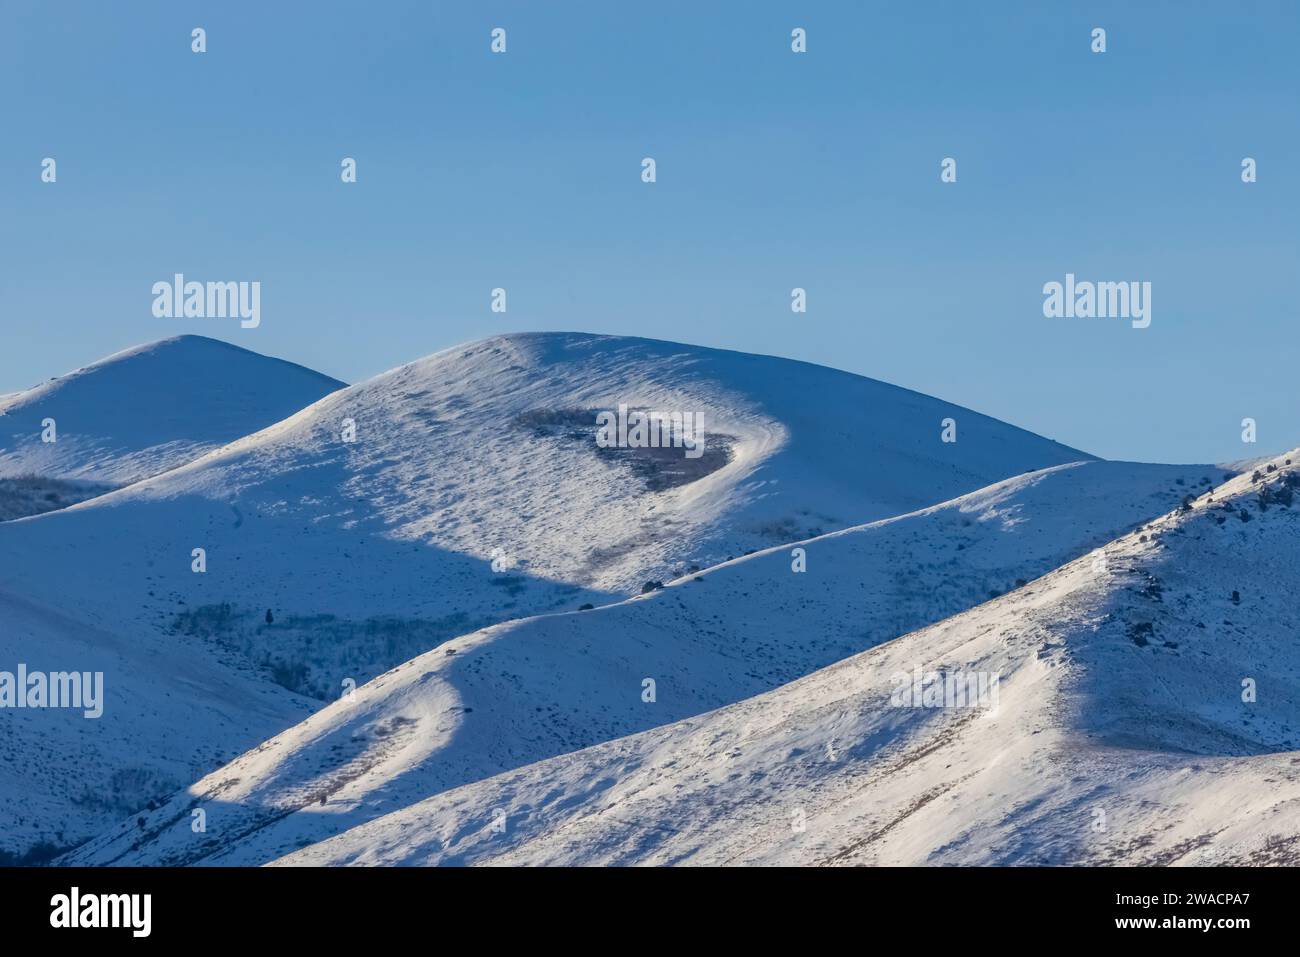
<point>775,170</point>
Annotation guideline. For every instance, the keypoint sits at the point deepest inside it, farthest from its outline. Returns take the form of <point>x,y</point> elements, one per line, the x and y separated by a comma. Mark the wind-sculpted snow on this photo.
<point>1148,713</point>
<point>149,409</point>
<point>429,503</point>
<point>436,499</point>
<point>434,535</point>
<point>523,691</point>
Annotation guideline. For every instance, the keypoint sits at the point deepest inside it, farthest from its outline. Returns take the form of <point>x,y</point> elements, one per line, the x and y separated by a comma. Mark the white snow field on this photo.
<point>448,520</point>
<point>516,693</point>
<point>1148,713</point>
<point>371,552</point>
<point>149,409</point>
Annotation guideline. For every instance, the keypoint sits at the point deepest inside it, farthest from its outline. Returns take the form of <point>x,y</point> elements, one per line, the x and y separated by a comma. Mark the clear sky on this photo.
<point>775,170</point>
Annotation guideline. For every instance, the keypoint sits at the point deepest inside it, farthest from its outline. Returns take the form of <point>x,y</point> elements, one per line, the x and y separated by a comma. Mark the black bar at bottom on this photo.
<point>333,907</point>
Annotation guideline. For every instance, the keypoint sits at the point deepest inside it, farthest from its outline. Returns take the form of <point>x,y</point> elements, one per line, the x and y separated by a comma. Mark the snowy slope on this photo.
<point>372,551</point>
<point>131,415</point>
<point>166,718</point>
<point>150,408</point>
<point>520,692</point>
<point>1121,734</point>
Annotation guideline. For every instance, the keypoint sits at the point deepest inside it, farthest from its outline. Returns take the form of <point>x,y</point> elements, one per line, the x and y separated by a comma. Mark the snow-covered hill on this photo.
<point>474,492</point>
<point>148,409</point>
<point>131,415</point>
<point>1148,712</point>
<point>166,718</point>
<point>517,693</point>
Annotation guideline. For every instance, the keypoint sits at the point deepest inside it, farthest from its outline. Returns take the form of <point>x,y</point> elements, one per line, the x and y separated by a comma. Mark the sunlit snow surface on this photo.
<point>456,538</point>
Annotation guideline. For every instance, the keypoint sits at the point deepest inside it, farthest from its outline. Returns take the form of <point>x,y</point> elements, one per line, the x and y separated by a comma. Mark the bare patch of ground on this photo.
<point>31,494</point>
